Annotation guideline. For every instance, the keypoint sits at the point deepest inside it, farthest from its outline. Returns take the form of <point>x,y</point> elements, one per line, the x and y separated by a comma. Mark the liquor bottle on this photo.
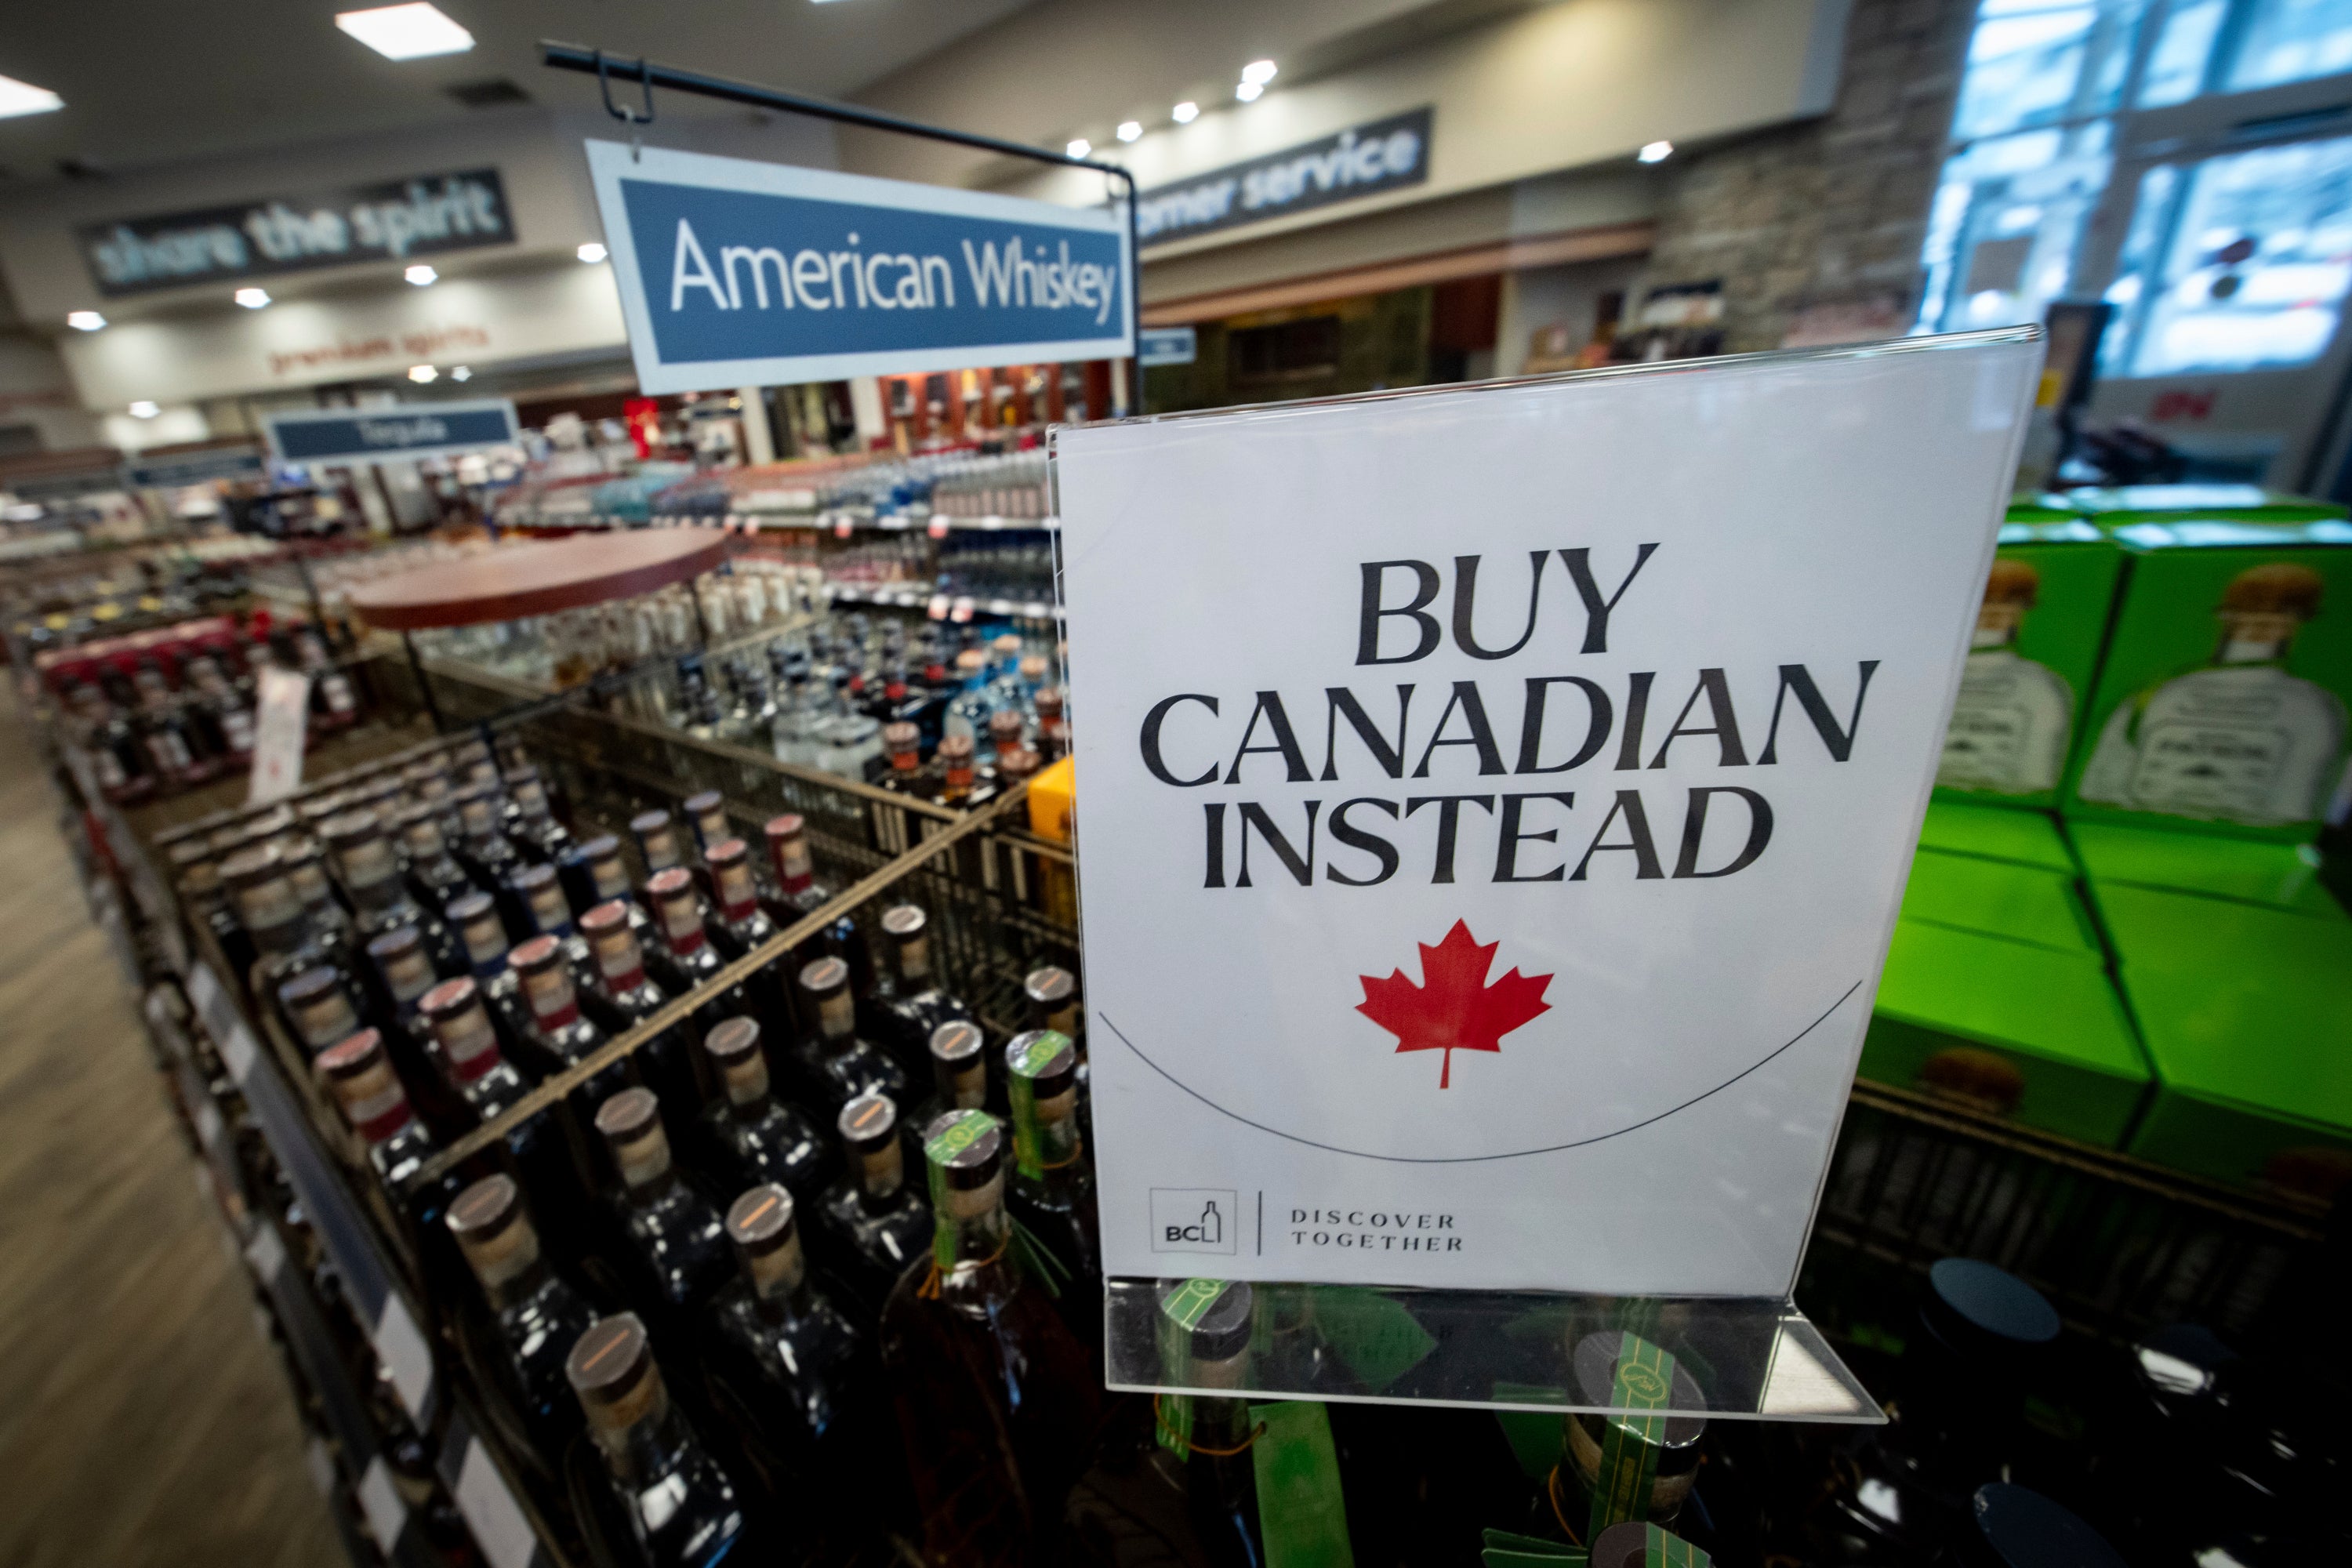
<point>878,1223</point>
<point>2011,721</point>
<point>798,893</point>
<point>333,704</point>
<point>901,770</point>
<point>960,784</point>
<point>1619,1469</point>
<point>705,818</point>
<point>662,1061</point>
<point>756,1138</point>
<point>374,1104</point>
<point>539,1315</point>
<point>404,973</point>
<point>470,1055</point>
<point>604,878</point>
<point>230,718</point>
<point>163,736</point>
<point>370,869</point>
<point>738,924</point>
<point>158,707</point>
<point>551,915</point>
<point>1053,728</point>
<point>2238,739</point>
<point>681,1507</point>
<point>676,1240</point>
<point>684,959</point>
<point>789,1358</point>
<point>839,1065</point>
<point>486,855</point>
<point>996,1401</point>
<point>307,871</point>
<point>473,764</point>
<point>534,827</point>
<point>284,941</point>
<point>318,1009</point>
<point>657,838</point>
<point>1006,727</point>
<point>907,1005</point>
<point>960,1078</point>
<point>1052,1193</point>
<point>1184,1492</point>
<point>435,877</point>
<point>125,774</point>
<point>1052,993</point>
<point>203,899</point>
<point>555,1032</point>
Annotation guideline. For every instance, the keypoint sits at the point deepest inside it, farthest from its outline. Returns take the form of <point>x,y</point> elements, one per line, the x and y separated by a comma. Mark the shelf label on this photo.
<point>380,1504</point>
<point>499,1525</point>
<point>281,727</point>
<point>266,1254</point>
<point>406,1358</point>
<point>1502,909</point>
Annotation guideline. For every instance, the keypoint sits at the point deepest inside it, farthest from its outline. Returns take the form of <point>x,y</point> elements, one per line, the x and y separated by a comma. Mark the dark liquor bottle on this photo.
<point>959,1053</point>
<point>538,1314</point>
<point>434,875</point>
<point>908,1003</point>
<point>675,1237</point>
<point>486,853</point>
<point>1053,728</point>
<point>318,1009</point>
<point>370,869</point>
<point>799,893</point>
<point>483,934</point>
<point>1052,993</point>
<point>838,1064</point>
<point>900,770</point>
<point>551,915</point>
<point>792,1353</point>
<point>218,706</point>
<point>360,1080</point>
<point>1616,1469</point>
<point>740,924</point>
<point>681,1507</point>
<point>879,1224</point>
<point>534,827</point>
<point>684,958</point>
<point>203,899</point>
<point>657,838</point>
<point>306,868</point>
<point>285,943</point>
<point>1053,1187</point>
<point>1184,1492</point>
<point>706,815</point>
<point>606,879</point>
<point>662,1061</point>
<point>403,972</point>
<point>986,1378</point>
<point>756,1138</point>
<point>470,1053</point>
<point>555,1034</point>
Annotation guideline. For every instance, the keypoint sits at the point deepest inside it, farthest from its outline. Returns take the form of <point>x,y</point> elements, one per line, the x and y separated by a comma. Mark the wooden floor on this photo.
<point>142,1418</point>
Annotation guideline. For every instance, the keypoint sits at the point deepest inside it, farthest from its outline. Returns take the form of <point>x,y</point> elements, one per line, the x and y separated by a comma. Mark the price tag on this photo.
<point>406,1358</point>
<point>208,1125</point>
<point>497,1521</point>
<point>841,526</point>
<point>266,1254</point>
<point>939,528</point>
<point>386,1515</point>
<point>938,607</point>
<point>281,725</point>
<point>237,1049</point>
<point>961,611</point>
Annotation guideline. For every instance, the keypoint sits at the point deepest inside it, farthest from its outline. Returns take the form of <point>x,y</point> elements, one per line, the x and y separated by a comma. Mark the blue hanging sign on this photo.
<point>399,430</point>
<point>736,273</point>
<point>1166,345</point>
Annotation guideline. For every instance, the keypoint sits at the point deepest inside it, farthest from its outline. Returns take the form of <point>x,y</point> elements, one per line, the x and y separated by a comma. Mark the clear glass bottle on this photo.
<point>757,1138</point>
<point>677,1245</point>
<point>839,1064</point>
<point>878,1223</point>
<point>538,1314</point>
<point>681,1507</point>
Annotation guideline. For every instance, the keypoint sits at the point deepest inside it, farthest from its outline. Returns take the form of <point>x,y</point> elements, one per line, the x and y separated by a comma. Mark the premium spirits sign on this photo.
<point>1497,804</point>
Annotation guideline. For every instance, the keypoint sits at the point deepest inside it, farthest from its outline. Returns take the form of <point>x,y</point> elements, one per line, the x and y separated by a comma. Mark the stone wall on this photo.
<point>1825,220</point>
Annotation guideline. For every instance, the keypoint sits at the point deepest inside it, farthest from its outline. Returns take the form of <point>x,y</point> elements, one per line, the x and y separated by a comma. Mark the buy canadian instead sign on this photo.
<point>1497,802</point>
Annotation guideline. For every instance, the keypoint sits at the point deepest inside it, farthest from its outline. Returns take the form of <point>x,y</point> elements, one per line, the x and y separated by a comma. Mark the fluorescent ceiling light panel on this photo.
<point>1079,148</point>
<point>422,275</point>
<point>1259,71</point>
<point>85,321</point>
<point>1185,113</point>
<point>592,253</point>
<point>1656,152</point>
<point>462,372</point>
<point>253,299</point>
<point>142,409</point>
<point>1129,130</point>
<point>1250,91</point>
<point>408,32</point>
<point>421,374</point>
<point>23,98</point>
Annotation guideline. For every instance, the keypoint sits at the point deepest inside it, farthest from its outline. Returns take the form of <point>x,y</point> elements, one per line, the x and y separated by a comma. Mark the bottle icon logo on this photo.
<point>1192,1219</point>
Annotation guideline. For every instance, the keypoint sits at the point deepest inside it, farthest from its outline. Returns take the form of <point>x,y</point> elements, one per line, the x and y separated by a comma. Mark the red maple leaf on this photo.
<point>1456,1009</point>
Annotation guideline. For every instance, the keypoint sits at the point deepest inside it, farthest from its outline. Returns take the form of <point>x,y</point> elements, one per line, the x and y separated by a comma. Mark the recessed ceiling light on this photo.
<point>253,299</point>
<point>462,373</point>
<point>421,374</point>
<point>422,275</point>
<point>1079,148</point>
<point>142,409</point>
<point>1185,113</point>
<point>1656,152</point>
<point>1130,130</point>
<point>1258,71</point>
<point>85,321</point>
<point>1250,91</point>
<point>592,253</point>
<point>406,32</point>
<point>23,98</point>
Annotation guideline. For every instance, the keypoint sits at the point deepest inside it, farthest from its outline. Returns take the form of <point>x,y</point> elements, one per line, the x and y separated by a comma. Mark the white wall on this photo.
<point>35,390</point>
<point>1545,296</point>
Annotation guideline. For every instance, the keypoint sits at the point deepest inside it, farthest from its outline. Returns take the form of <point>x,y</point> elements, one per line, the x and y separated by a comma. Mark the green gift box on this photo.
<point>1999,898</point>
<point>2008,1028</point>
<point>2278,876</point>
<point>2248,1017</point>
<point>2167,503</point>
<point>2032,662</point>
<point>1996,833</point>
<point>2221,705</point>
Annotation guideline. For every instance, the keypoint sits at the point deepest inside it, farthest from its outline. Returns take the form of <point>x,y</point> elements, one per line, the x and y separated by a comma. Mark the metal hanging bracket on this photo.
<point>633,118</point>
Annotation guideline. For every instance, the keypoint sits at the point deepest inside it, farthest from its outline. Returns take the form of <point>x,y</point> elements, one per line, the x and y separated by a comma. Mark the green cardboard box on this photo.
<point>2248,1017</point>
<point>2034,660</point>
<point>2170,503</point>
<point>1996,833</point>
<point>2279,876</point>
<point>2220,703</point>
<point>1999,898</point>
<point>2013,1028</point>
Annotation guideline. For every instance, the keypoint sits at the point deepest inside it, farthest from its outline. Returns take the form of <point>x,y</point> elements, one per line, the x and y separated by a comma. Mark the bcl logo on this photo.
<point>1195,1219</point>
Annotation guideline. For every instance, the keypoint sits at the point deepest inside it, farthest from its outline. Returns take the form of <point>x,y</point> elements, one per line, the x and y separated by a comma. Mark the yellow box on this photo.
<point>1053,797</point>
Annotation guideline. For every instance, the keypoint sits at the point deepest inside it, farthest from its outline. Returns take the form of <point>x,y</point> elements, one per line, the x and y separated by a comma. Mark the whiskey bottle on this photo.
<point>404,973</point>
<point>2011,719</point>
<point>307,871</point>
<point>469,1054</point>
<point>996,1403</point>
<point>738,924</point>
<point>2240,739</point>
<point>878,1223</point>
<point>908,1004</point>
<point>318,1009</point>
<point>487,852</point>
<point>902,771</point>
<point>285,943</point>
<point>203,899</point>
<point>656,839</point>
<point>1621,1467</point>
<point>674,1234</point>
<point>662,1061</point>
<point>608,880</point>
<point>1052,993</point>
<point>705,818</point>
<point>555,1032</point>
<point>792,1353</point>
<point>370,869</point>
<point>959,1053</point>
<point>435,877</point>
<point>756,1138</point>
<point>799,893</point>
<point>1185,1492</point>
<point>539,1316</point>
<point>534,825</point>
<point>838,1064</point>
<point>359,1079</point>
<point>1053,1189</point>
<point>681,1507</point>
<point>685,960</point>
<point>551,915</point>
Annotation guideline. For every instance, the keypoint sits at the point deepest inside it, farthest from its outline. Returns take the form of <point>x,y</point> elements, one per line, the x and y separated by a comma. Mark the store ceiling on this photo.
<point>151,82</point>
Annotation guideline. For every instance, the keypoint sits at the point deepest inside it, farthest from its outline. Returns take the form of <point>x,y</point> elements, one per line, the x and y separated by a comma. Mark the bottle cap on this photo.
<point>732,1040</point>
<point>611,1368</point>
<point>869,1122</point>
<point>449,997</point>
<point>1216,1316</point>
<point>1594,1364</point>
<point>492,1229</point>
<point>903,921</point>
<point>788,826</point>
<point>957,1042</point>
<point>900,736</point>
<point>321,1013</point>
<point>954,749</point>
<point>1050,986</point>
<point>1003,724</point>
<point>1980,1311</point>
<point>1044,1060</point>
<point>761,1221</point>
<point>605,917</point>
<point>824,974</point>
<point>1015,762</point>
<point>726,853</point>
<point>535,954</point>
<point>965,1150</point>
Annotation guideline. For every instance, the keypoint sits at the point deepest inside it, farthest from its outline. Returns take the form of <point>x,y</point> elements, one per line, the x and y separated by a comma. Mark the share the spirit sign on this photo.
<point>1497,803</point>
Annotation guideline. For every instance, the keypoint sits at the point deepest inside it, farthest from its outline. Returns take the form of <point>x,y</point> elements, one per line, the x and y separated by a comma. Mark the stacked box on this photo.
<point>2170,503</point>
<point>1995,833</point>
<point>2033,661</point>
<point>2276,876</point>
<point>2221,704</point>
<point>2247,1014</point>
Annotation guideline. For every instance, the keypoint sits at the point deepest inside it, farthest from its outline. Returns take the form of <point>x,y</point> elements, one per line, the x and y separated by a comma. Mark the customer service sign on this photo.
<point>1497,802</point>
<point>737,273</point>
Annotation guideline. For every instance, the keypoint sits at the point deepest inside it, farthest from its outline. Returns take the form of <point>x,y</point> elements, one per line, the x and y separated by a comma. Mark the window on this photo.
<point>1302,350</point>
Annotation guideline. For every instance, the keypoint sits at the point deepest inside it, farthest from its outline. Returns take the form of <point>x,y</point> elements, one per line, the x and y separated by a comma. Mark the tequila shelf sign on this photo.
<point>1497,800</point>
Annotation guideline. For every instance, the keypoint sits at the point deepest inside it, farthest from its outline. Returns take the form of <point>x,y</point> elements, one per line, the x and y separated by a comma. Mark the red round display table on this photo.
<point>515,581</point>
